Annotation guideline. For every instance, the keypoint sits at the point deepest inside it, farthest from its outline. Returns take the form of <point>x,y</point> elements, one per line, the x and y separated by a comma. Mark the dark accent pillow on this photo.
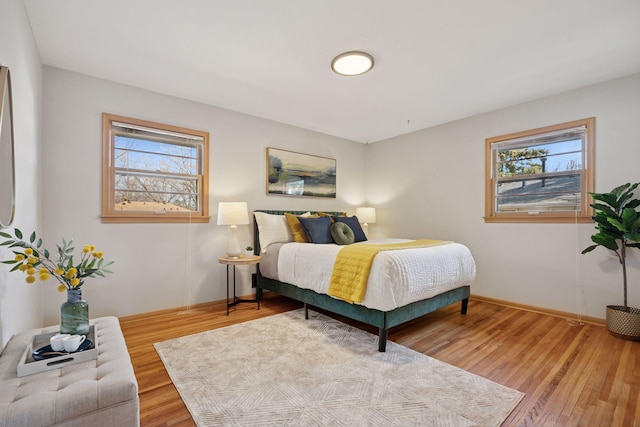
<point>317,229</point>
<point>354,224</point>
<point>342,234</point>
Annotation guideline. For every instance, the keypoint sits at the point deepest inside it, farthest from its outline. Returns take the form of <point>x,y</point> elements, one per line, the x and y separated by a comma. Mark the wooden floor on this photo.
<point>572,375</point>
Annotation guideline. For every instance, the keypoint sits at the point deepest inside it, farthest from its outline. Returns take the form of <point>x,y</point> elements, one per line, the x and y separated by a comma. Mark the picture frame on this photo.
<point>296,174</point>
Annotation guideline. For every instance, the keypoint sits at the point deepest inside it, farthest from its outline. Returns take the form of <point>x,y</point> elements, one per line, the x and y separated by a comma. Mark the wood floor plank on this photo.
<point>571,375</point>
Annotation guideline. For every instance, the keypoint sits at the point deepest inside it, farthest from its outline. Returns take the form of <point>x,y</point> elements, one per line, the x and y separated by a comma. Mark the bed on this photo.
<point>384,312</point>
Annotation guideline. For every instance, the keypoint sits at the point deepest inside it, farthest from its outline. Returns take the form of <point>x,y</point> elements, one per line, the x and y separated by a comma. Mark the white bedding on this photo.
<point>397,277</point>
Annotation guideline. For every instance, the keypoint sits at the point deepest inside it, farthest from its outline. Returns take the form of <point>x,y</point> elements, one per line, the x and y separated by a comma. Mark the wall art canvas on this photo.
<point>296,174</point>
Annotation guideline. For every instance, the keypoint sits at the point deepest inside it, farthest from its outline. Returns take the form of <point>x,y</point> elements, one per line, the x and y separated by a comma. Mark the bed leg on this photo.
<point>382,340</point>
<point>306,311</point>
<point>465,304</point>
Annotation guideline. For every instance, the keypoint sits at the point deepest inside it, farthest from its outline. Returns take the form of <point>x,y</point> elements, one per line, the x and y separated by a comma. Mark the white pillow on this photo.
<point>272,229</point>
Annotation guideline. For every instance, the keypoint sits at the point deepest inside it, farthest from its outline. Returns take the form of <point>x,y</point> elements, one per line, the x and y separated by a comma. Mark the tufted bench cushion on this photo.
<point>96,393</point>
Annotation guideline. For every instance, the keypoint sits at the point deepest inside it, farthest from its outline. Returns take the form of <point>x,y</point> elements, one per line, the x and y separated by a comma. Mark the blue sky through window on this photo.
<point>148,155</point>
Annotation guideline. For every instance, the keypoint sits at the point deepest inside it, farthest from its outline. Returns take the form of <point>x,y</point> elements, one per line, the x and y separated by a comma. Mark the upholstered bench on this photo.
<point>95,393</point>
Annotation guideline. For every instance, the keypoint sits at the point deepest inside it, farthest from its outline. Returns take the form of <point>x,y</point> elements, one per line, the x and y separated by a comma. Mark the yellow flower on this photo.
<point>71,273</point>
<point>37,264</point>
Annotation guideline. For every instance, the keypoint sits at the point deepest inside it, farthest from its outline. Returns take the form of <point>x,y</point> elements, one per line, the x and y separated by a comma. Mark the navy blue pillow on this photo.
<point>354,224</point>
<point>318,229</point>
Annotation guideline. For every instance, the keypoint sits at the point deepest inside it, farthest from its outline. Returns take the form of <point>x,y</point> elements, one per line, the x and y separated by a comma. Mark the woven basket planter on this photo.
<point>623,324</point>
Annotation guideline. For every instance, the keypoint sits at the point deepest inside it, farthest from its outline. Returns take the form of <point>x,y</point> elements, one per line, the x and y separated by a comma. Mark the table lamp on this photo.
<point>233,214</point>
<point>366,216</point>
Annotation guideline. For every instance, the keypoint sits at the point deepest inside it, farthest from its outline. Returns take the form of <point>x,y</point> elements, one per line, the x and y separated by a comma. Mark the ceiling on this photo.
<point>435,60</point>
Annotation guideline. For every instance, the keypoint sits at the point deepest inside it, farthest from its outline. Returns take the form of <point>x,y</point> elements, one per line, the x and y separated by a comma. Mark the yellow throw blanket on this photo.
<point>353,263</point>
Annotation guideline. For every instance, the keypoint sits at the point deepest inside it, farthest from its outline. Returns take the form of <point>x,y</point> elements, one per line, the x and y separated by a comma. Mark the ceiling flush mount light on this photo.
<point>352,63</point>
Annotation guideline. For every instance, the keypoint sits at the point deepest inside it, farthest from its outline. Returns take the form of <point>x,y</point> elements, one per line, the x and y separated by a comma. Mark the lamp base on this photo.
<point>233,249</point>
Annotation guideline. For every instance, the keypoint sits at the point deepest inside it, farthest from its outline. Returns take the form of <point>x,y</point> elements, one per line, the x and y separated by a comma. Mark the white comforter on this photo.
<point>397,277</point>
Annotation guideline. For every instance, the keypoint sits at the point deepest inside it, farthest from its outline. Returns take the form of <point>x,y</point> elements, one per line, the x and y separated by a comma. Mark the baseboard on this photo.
<point>211,305</point>
<point>564,314</point>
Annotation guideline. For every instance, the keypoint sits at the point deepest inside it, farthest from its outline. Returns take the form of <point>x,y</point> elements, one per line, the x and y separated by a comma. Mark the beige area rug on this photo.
<point>285,370</point>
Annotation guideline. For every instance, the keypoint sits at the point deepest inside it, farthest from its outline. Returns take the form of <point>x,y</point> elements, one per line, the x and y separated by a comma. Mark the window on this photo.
<point>153,172</point>
<point>541,175</point>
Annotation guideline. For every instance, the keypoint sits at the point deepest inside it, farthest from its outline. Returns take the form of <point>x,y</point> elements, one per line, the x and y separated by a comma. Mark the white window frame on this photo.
<point>113,125</point>
<point>583,211</point>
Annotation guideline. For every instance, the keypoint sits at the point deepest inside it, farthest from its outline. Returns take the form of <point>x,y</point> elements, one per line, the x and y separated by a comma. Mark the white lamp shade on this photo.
<point>233,213</point>
<point>366,215</point>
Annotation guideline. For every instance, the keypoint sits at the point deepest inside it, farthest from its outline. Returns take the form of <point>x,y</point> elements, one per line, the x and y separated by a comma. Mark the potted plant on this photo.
<point>31,258</point>
<point>249,251</point>
<point>618,228</point>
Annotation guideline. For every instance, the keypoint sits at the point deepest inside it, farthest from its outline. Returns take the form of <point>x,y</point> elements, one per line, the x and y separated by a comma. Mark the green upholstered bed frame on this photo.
<point>383,320</point>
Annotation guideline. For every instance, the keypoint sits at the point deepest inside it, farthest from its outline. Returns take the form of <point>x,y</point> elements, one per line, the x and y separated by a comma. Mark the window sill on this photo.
<point>138,219</point>
<point>533,219</point>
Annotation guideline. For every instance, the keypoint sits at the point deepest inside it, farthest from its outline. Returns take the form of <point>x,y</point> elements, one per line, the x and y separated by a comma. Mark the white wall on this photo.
<point>165,265</point>
<point>430,183</point>
<point>409,178</point>
<point>20,307</point>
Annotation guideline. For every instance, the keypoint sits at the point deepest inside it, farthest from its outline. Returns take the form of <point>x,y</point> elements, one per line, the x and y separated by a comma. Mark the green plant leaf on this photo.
<point>611,231</point>
<point>11,261</point>
<point>633,204</point>
<point>5,235</point>
<point>605,209</point>
<point>589,249</point>
<point>39,243</point>
<point>607,198</point>
<point>617,224</point>
<point>32,238</point>
<point>629,217</point>
<point>6,242</point>
<point>46,253</point>
<point>619,190</point>
<point>635,237</point>
<point>606,241</point>
<point>18,233</point>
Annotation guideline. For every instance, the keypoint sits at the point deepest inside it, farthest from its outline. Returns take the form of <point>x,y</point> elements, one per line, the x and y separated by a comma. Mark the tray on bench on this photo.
<point>28,365</point>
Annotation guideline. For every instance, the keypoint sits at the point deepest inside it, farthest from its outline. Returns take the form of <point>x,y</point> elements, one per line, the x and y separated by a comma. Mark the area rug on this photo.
<point>285,370</point>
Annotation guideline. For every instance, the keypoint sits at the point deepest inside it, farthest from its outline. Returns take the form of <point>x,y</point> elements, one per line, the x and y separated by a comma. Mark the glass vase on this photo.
<point>74,314</point>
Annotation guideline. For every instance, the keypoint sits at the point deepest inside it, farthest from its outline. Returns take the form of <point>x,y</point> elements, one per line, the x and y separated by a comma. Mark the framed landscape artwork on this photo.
<point>296,174</point>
